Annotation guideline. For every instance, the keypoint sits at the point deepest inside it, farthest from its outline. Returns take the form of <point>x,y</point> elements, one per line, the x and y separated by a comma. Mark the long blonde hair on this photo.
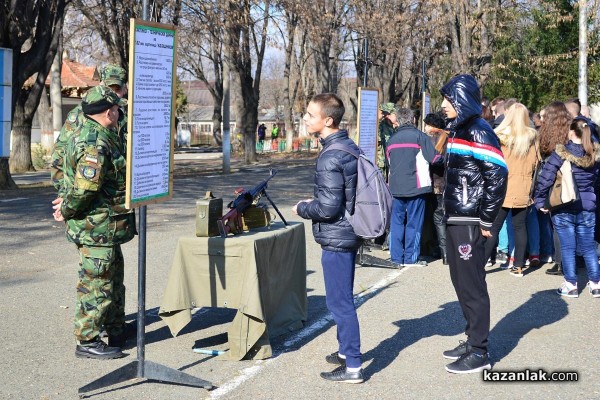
<point>515,131</point>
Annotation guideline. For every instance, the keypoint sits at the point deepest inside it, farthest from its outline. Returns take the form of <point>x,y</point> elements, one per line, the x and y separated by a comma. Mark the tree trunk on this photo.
<point>20,158</point>
<point>248,118</point>
<point>6,181</point>
<point>289,94</point>
<point>217,118</point>
<point>249,122</point>
<point>45,118</point>
<point>27,103</point>
<point>41,30</point>
<point>55,91</point>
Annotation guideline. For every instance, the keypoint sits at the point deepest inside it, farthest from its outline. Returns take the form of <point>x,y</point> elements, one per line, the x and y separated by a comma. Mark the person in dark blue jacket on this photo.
<point>476,178</point>
<point>409,153</point>
<point>335,189</point>
<point>574,223</point>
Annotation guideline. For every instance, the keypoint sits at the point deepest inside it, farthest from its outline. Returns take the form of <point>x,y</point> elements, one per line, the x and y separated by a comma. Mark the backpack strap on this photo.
<point>347,149</point>
<point>343,147</point>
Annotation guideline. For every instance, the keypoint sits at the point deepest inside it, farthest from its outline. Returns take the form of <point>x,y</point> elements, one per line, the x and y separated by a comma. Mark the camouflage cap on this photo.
<point>100,99</point>
<point>389,108</point>
<point>113,74</point>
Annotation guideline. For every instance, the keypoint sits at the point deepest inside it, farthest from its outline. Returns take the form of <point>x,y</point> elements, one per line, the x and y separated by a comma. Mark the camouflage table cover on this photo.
<point>261,273</point>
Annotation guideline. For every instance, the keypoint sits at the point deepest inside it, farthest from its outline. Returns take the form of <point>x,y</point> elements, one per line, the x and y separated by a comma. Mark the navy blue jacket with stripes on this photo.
<point>476,173</point>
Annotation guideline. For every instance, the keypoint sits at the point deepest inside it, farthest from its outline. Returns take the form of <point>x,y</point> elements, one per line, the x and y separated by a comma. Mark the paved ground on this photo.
<point>408,317</point>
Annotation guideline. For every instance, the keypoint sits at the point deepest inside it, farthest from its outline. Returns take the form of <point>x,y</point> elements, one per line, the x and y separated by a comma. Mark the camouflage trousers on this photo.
<point>100,292</point>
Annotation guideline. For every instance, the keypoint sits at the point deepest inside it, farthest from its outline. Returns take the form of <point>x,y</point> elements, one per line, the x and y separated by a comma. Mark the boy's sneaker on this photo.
<point>533,262</point>
<point>508,264</point>
<point>594,288</point>
<point>546,259</point>
<point>555,270</point>
<point>341,374</point>
<point>501,257</point>
<point>490,262</point>
<point>567,289</point>
<point>516,271</point>
<point>454,354</point>
<point>420,263</point>
<point>469,363</point>
<point>334,358</point>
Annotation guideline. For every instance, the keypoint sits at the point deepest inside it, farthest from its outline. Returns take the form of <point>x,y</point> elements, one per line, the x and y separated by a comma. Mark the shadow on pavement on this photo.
<point>543,308</point>
<point>440,323</point>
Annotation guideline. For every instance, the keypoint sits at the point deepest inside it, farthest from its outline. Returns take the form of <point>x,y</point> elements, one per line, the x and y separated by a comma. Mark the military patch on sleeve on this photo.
<point>72,117</point>
<point>87,178</point>
<point>89,172</point>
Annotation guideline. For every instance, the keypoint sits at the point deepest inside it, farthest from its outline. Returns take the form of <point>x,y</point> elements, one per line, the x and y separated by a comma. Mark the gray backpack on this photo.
<point>373,200</point>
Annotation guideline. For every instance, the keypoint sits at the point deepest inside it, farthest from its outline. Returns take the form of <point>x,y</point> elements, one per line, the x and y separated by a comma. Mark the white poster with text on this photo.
<point>151,113</point>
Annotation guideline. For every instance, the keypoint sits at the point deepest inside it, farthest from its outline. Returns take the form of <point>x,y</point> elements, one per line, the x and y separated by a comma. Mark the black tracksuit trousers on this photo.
<point>465,247</point>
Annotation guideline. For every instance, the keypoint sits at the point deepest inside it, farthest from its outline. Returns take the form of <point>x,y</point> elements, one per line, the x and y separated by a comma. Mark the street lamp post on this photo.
<point>583,52</point>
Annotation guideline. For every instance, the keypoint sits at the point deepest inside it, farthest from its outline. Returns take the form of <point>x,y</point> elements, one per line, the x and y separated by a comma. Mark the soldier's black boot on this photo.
<point>128,331</point>
<point>97,349</point>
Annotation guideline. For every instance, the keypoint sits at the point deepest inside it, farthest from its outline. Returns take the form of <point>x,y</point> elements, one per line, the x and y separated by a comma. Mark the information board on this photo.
<point>151,107</point>
<point>426,108</point>
<point>6,61</point>
<point>368,121</point>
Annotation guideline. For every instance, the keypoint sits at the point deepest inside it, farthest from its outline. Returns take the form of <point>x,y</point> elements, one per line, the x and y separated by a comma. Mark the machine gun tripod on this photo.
<point>232,222</point>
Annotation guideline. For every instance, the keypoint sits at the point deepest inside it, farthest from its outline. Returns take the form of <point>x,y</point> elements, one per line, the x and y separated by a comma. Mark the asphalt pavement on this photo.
<point>408,316</point>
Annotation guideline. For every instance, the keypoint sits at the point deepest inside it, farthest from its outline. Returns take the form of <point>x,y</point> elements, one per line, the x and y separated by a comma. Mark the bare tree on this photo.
<point>201,51</point>
<point>246,24</point>
<point>294,44</point>
<point>32,31</point>
<point>108,21</point>
<point>324,22</point>
<point>472,26</point>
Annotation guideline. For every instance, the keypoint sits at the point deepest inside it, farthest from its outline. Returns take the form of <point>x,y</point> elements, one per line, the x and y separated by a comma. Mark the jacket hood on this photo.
<point>462,92</point>
<point>576,155</point>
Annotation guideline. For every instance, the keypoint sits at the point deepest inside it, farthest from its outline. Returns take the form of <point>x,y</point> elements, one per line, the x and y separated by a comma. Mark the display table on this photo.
<point>261,273</point>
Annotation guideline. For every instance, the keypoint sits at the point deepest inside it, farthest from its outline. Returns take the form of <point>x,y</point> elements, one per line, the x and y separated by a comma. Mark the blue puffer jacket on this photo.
<point>585,172</point>
<point>335,188</point>
<point>476,173</point>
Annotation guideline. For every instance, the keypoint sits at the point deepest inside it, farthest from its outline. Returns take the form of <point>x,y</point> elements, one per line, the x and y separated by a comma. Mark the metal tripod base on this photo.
<point>152,371</point>
<point>366,260</point>
<point>141,368</point>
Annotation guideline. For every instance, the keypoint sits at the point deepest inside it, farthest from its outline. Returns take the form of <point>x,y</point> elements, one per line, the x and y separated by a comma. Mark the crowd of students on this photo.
<point>525,234</point>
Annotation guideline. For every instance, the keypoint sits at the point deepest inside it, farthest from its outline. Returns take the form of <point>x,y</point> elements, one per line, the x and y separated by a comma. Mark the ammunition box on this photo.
<point>208,211</point>
<point>256,217</point>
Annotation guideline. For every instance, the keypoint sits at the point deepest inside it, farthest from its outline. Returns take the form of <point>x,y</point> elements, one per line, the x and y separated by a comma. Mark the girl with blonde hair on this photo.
<point>518,143</point>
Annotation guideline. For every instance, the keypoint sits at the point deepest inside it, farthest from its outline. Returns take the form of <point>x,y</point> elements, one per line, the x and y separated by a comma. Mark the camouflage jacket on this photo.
<point>385,132</point>
<point>71,127</point>
<point>94,205</point>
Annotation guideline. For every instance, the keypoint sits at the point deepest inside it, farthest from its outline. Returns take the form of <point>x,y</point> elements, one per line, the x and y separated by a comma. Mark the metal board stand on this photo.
<point>142,368</point>
<point>367,260</point>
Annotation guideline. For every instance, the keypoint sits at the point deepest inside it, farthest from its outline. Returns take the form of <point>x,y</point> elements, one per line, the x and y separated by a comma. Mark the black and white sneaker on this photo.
<point>335,359</point>
<point>454,354</point>
<point>594,288</point>
<point>469,363</point>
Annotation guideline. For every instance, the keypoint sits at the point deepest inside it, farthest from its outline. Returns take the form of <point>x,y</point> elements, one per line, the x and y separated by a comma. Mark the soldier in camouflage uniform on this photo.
<point>116,78</point>
<point>98,223</point>
<point>386,128</point>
